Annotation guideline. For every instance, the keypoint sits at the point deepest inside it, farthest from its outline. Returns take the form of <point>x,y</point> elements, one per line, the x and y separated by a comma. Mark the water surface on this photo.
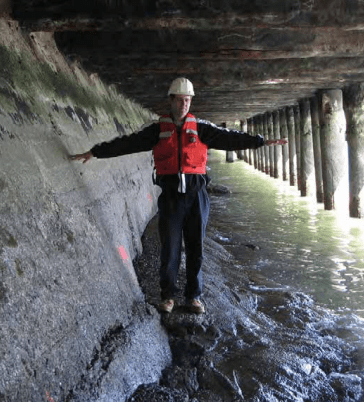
<point>300,244</point>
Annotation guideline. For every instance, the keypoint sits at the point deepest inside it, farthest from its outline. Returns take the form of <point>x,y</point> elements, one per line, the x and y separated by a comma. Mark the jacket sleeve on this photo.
<point>141,141</point>
<point>226,139</point>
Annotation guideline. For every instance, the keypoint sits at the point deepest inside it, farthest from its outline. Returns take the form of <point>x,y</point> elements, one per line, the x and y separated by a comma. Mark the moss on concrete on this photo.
<point>11,242</point>
<point>18,268</point>
<point>7,239</point>
<point>22,81</point>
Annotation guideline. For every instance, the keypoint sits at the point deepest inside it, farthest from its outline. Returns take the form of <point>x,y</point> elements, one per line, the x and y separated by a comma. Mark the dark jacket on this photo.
<point>144,140</point>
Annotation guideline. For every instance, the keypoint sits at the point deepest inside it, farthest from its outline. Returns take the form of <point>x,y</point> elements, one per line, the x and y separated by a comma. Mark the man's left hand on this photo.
<point>282,141</point>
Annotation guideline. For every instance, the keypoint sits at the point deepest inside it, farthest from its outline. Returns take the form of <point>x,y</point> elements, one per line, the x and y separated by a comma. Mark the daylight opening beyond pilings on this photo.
<point>324,156</point>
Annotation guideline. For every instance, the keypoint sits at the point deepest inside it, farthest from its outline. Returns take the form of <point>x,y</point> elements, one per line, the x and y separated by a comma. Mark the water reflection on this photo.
<point>301,244</point>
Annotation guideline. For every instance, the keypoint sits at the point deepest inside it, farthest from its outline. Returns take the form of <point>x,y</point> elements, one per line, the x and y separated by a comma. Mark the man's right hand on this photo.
<point>81,157</point>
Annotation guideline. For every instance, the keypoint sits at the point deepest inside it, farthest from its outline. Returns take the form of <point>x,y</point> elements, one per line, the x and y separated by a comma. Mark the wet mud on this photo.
<point>258,341</point>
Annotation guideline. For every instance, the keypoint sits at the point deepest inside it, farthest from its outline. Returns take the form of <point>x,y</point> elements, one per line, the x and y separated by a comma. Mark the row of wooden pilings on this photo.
<point>324,156</point>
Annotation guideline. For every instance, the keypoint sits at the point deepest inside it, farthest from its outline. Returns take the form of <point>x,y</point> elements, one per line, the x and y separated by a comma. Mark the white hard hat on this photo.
<point>181,86</point>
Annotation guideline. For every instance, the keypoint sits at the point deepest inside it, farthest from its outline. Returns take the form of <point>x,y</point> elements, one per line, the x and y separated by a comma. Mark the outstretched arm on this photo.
<point>231,140</point>
<point>143,140</point>
<point>227,139</point>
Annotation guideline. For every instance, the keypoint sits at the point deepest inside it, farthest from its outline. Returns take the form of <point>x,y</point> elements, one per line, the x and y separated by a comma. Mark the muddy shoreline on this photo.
<point>258,341</point>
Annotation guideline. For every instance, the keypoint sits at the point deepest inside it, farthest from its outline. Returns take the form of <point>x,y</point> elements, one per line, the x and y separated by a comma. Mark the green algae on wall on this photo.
<point>7,239</point>
<point>22,80</point>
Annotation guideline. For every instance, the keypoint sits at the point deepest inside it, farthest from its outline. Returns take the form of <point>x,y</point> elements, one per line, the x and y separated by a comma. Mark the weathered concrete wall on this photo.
<point>72,314</point>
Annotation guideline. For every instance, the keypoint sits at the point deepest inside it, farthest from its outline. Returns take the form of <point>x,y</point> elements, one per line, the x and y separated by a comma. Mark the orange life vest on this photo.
<point>187,155</point>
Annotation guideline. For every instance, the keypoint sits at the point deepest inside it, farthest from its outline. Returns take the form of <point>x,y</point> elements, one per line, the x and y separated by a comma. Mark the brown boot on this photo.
<point>195,306</point>
<point>166,306</point>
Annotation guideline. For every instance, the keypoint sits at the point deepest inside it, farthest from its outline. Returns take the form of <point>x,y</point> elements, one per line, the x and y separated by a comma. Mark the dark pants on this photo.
<point>187,215</point>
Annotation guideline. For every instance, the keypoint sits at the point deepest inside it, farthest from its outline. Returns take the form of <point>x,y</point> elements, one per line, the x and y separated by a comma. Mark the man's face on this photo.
<point>180,106</point>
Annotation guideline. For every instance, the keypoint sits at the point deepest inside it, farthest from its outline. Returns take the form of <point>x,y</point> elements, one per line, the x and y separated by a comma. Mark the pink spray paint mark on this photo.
<point>123,254</point>
<point>50,399</point>
<point>150,198</point>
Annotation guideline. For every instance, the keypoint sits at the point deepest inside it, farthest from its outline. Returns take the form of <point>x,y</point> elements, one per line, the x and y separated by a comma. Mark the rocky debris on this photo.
<point>124,356</point>
<point>258,341</point>
<point>217,189</point>
<point>252,247</point>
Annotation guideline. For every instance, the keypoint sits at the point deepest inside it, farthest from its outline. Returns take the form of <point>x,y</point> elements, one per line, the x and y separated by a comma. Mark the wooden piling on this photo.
<point>317,149</point>
<point>297,128</point>
<point>334,150</point>
<point>255,132</point>
<point>251,132</point>
<point>354,106</point>
<point>277,149</point>
<point>271,137</point>
<point>229,154</point>
<point>240,153</point>
<point>291,146</point>
<point>266,148</point>
<point>308,184</point>
<point>284,135</point>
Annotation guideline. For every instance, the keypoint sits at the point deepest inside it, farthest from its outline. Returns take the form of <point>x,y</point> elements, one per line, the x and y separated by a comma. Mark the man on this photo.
<point>180,142</point>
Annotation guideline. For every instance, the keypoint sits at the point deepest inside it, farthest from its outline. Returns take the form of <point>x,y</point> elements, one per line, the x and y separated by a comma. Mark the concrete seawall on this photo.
<point>72,311</point>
